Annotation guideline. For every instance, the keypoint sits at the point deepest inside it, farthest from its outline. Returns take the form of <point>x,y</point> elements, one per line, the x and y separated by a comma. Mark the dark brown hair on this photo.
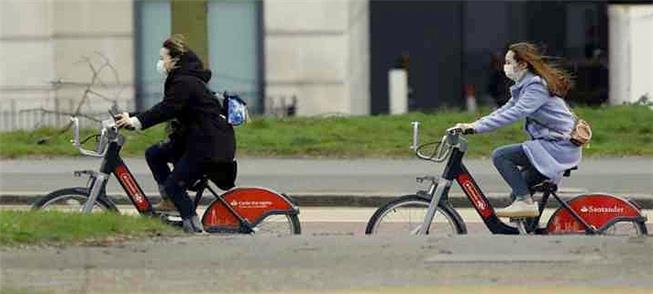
<point>176,45</point>
<point>558,80</point>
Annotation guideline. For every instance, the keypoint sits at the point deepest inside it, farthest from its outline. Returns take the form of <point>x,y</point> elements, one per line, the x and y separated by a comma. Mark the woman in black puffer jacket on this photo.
<point>207,139</point>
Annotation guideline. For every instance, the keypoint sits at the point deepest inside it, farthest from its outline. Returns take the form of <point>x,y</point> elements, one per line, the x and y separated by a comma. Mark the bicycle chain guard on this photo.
<point>252,204</point>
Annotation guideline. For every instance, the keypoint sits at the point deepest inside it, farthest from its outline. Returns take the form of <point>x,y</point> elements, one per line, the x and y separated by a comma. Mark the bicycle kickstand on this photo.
<point>520,223</point>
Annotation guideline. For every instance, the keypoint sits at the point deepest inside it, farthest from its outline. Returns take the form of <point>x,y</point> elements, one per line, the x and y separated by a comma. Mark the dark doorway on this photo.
<point>449,44</point>
<point>429,33</point>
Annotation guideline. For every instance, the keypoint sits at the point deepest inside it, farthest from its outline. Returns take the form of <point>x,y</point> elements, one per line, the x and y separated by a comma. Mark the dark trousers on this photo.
<point>187,171</point>
<point>516,169</point>
<point>158,157</point>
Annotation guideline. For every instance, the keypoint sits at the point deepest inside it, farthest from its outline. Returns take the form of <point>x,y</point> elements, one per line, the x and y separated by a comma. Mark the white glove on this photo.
<point>124,121</point>
<point>464,128</point>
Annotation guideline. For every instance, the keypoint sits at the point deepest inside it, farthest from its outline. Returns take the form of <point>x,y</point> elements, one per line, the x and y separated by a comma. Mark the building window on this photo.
<point>234,37</point>
<point>152,27</point>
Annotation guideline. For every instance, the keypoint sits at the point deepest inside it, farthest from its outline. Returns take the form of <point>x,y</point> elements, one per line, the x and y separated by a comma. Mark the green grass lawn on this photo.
<point>52,227</point>
<point>618,131</point>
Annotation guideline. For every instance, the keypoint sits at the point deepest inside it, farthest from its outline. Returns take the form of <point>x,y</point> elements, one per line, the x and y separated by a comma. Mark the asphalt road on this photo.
<point>333,256</point>
<point>245,264</point>
<point>621,176</point>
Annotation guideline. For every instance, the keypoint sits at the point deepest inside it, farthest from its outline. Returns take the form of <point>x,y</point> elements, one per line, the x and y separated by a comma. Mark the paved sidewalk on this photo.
<point>328,182</point>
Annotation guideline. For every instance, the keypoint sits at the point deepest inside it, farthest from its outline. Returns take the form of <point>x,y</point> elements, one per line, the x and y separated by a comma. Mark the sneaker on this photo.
<point>519,208</point>
<point>192,225</point>
<point>166,206</point>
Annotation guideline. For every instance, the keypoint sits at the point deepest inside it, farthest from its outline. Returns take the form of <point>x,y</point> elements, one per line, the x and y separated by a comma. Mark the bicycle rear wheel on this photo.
<point>405,215</point>
<point>609,214</point>
<point>264,211</point>
<point>626,228</point>
<point>278,224</point>
<point>71,200</point>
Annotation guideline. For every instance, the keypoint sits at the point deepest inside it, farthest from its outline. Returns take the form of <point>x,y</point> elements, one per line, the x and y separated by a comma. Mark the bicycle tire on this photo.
<point>77,193</point>
<point>638,227</point>
<point>293,225</point>
<point>453,219</point>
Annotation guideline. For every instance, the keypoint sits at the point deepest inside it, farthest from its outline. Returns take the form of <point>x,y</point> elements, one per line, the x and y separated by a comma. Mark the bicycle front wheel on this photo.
<point>70,200</point>
<point>405,215</point>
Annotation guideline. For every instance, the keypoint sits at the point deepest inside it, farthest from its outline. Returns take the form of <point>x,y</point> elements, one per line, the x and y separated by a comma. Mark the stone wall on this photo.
<point>42,41</point>
<point>318,52</point>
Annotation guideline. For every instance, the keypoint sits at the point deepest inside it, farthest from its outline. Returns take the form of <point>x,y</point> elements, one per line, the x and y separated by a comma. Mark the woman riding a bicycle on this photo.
<point>208,141</point>
<point>537,95</point>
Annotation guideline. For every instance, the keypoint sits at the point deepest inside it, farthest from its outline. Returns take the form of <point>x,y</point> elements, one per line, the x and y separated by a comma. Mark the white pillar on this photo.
<point>631,52</point>
<point>398,91</point>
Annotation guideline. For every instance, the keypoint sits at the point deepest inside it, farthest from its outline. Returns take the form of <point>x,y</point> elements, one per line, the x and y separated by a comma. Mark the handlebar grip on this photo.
<point>415,135</point>
<point>75,121</point>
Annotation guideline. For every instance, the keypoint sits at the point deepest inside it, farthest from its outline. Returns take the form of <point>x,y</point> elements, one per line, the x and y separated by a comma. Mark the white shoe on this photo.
<point>519,208</point>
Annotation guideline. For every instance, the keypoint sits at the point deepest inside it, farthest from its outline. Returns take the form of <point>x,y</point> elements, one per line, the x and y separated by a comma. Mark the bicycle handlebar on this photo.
<point>445,145</point>
<point>103,146</point>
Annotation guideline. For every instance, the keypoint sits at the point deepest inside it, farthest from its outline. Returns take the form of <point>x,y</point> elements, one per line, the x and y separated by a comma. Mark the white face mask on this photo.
<point>511,73</point>
<point>161,69</point>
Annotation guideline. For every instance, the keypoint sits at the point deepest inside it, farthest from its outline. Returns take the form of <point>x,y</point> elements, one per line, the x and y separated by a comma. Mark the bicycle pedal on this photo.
<point>168,213</point>
<point>518,219</point>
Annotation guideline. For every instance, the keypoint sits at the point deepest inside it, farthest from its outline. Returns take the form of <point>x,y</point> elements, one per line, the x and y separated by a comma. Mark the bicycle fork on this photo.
<point>436,191</point>
<point>97,182</point>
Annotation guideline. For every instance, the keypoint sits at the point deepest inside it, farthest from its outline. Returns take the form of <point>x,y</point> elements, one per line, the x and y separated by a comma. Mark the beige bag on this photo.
<point>581,134</point>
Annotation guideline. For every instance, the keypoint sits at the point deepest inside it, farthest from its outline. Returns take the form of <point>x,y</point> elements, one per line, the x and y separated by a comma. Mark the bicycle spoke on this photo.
<point>625,228</point>
<point>408,217</point>
<point>280,224</point>
<point>70,203</point>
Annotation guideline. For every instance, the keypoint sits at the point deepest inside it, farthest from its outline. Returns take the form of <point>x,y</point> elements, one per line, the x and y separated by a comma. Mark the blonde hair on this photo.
<point>558,80</point>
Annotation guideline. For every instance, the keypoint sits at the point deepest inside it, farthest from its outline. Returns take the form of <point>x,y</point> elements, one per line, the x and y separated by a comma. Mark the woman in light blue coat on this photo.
<point>536,96</point>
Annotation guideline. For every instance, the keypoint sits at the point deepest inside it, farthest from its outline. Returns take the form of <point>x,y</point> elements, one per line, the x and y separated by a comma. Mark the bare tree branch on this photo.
<point>88,92</point>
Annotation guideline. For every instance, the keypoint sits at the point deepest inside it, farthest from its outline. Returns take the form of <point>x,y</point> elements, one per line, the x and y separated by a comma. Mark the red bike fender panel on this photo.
<point>250,203</point>
<point>598,210</point>
<point>218,215</point>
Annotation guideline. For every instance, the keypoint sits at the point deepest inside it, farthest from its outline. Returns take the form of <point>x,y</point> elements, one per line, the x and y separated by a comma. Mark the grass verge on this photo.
<point>618,131</point>
<point>60,228</point>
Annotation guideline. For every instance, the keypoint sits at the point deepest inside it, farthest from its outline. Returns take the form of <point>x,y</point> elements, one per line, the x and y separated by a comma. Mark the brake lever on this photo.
<point>455,130</point>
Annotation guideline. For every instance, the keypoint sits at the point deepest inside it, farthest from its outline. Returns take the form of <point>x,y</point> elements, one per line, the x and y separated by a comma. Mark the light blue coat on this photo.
<point>549,149</point>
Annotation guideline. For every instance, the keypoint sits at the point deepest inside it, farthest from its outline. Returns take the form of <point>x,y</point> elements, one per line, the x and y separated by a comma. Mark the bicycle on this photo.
<point>429,212</point>
<point>238,210</point>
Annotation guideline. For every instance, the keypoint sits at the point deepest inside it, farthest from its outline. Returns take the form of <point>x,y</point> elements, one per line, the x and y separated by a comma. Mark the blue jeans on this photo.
<point>516,169</point>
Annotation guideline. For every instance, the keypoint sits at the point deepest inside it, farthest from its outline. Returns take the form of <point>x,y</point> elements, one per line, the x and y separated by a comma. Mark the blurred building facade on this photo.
<point>320,57</point>
<point>43,46</point>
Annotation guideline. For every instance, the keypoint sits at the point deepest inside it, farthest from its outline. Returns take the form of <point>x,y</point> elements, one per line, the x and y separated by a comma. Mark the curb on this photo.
<point>368,199</point>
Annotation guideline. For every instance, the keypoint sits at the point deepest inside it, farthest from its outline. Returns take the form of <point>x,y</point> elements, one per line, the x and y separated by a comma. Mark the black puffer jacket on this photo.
<point>206,135</point>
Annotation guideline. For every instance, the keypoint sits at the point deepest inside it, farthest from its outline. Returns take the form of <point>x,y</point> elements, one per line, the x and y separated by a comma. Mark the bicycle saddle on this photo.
<point>545,186</point>
<point>549,186</point>
<point>222,174</point>
<point>568,172</point>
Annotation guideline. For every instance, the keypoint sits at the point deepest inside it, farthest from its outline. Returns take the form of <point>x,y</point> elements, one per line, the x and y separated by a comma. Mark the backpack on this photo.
<point>234,108</point>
